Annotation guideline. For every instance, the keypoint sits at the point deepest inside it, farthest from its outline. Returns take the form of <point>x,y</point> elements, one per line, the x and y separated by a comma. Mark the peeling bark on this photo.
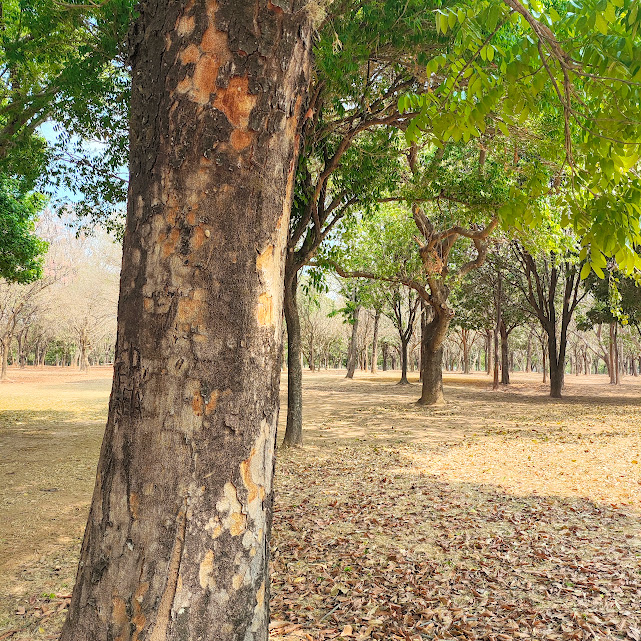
<point>176,546</point>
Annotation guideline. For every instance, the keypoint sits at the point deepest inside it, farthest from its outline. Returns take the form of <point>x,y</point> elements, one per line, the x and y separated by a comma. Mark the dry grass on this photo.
<point>532,504</point>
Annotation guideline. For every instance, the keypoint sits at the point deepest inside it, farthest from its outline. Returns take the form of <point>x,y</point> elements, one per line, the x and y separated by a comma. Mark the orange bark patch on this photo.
<point>134,504</point>
<point>139,618</point>
<point>265,309</point>
<point>198,238</point>
<point>119,613</point>
<point>185,25</point>
<point>148,304</point>
<point>206,569</point>
<point>236,102</point>
<point>205,78</point>
<point>197,404</point>
<point>253,491</point>
<point>189,311</point>
<point>214,42</point>
<point>190,55</point>
<point>241,139</point>
<point>273,7</point>
<point>169,246</point>
<point>237,523</point>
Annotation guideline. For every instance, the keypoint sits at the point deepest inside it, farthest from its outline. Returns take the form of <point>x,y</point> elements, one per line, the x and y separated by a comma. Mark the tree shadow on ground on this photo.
<point>363,539</point>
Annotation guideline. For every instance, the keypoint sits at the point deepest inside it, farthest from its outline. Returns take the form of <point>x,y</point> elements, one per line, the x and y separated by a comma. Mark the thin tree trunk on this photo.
<point>377,318</point>
<point>352,353</point>
<point>466,350</point>
<point>403,380</point>
<point>557,366</point>
<point>177,542</point>
<point>294,427</point>
<point>505,366</point>
<point>6,341</point>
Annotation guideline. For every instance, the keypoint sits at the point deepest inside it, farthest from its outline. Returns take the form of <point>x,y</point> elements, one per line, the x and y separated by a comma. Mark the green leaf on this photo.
<point>601,23</point>
<point>585,271</point>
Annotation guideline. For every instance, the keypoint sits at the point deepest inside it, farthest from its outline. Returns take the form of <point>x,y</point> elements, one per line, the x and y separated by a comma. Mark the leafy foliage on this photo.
<point>21,251</point>
<point>504,70</point>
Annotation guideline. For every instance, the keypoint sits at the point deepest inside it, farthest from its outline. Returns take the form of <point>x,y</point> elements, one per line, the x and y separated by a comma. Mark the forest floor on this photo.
<point>501,515</point>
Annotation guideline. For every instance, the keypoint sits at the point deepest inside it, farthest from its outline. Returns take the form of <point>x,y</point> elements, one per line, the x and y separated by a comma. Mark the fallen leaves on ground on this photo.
<point>367,545</point>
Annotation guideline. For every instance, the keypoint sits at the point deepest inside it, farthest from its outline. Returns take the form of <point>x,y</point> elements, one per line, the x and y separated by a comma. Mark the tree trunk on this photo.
<point>294,428</point>
<point>613,355</point>
<point>557,367</point>
<point>436,330</point>
<point>83,359</point>
<point>466,350</point>
<point>488,352</point>
<point>505,365</point>
<point>176,546</point>
<point>528,356</point>
<point>352,353</point>
<point>385,350</point>
<point>403,380</point>
<point>4,345</point>
<point>544,351</point>
<point>377,318</point>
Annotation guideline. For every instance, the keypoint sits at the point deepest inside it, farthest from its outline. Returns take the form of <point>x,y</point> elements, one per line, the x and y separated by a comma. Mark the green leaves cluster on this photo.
<point>21,251</point>
<point>568,76</point>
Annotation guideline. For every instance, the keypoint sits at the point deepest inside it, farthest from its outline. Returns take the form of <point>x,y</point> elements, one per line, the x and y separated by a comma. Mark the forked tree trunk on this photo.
<point>432,387</point>
<point>176,546</point>
<point>352,352</point>
<point>294,428</point>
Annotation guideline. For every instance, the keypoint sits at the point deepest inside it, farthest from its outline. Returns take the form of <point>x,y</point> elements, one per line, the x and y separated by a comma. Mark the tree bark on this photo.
<point>466,350</point>
<point>403,380</point>
<point>352,352</point>
<point>385,350</point>
<point>294,427</point>
<point>4,345</point>
<point>436,331</point>
<point>377,318</point>
<point>505,355</point>
<point>176,545</point>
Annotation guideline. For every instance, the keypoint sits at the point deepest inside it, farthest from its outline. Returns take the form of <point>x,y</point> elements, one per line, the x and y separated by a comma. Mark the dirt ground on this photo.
<point>501,515</point>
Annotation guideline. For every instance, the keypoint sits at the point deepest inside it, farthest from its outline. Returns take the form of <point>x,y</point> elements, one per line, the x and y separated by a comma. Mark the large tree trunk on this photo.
<point>436,330</point>
<point>352,352</point>
<point>176,546</point>
<point>377,318</point>
<point>294,428</point>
